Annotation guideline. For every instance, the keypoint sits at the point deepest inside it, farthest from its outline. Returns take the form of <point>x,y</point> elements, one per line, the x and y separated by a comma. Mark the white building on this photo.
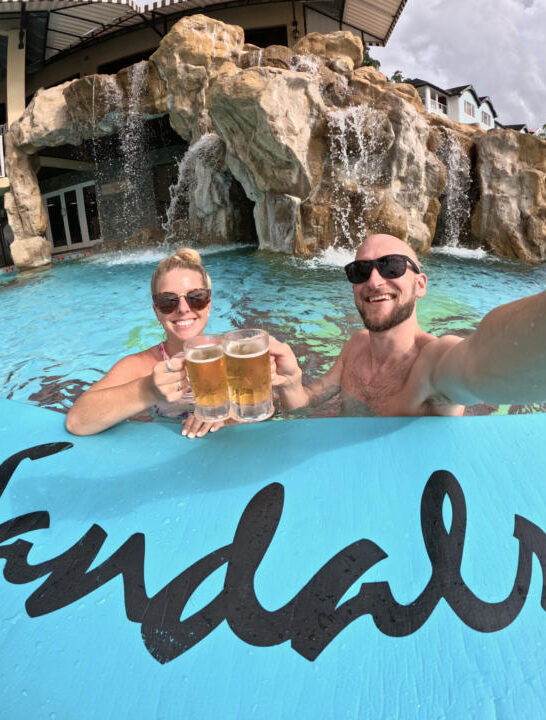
<point>461,104</point>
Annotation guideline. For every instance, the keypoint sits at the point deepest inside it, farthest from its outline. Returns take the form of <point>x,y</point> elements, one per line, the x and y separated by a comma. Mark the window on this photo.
<point>469,109</point>
<point>486,119</point>
<point>265,36</point>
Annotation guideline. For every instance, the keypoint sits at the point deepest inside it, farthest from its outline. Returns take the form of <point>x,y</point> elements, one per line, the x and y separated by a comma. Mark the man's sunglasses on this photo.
<point>388,266</point>
<point>168,302</point>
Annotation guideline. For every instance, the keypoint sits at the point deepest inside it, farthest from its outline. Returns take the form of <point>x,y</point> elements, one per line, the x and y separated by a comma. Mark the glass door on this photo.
<point>73,217</point>
<point>56,229</point>
<point>91,211</point>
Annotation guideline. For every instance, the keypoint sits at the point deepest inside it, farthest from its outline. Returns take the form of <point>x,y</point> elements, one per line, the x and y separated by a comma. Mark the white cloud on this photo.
<point>496,45</point>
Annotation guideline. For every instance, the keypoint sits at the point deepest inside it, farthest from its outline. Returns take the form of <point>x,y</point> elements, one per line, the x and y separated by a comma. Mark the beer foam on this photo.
<point>190,355</point>
<point>230,352</point>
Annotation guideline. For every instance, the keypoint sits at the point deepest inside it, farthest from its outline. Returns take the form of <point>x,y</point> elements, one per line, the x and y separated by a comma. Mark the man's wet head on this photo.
<point>385,302</point>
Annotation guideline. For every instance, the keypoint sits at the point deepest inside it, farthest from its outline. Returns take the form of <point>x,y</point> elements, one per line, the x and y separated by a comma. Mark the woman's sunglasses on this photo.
<point>168,302</point>
<point>388,266</point>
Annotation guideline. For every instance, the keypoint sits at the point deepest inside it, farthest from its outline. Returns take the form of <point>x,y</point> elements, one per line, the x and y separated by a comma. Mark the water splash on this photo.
<point>148,256</point>
<point>332,257</point>
<point>305,63</point>
<point>355,159</point>
<point>201,154</point>
<point>462,252</point>
<point>456,204</point>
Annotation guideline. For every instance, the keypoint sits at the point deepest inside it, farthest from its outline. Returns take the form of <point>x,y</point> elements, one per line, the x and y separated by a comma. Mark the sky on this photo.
<point>498,46</point>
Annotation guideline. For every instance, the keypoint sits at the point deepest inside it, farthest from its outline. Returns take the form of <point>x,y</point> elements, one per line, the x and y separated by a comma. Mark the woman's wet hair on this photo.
<point>185,259</point>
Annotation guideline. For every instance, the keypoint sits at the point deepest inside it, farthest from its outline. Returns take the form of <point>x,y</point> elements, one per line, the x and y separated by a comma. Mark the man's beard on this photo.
<point>397,316</point>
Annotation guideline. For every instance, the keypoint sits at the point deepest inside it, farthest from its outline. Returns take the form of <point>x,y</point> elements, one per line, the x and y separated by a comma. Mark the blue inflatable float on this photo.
<point>335,568</point>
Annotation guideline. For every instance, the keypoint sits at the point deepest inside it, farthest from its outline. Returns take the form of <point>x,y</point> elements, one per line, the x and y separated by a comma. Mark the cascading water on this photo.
<point>137,174</point>
<point>201,154</point>
<point>109,95</point>
<point>455,212</point>
<point>305,63</point>
<point>355,160</point>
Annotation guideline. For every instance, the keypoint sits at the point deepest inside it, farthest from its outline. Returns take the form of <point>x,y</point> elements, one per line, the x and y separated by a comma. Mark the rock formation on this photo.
<point>325,151</point>
<point>510,215</point>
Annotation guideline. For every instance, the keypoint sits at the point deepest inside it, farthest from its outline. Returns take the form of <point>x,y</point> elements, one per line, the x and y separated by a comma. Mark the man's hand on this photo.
<point>286,375</point>
<point>285,370</point>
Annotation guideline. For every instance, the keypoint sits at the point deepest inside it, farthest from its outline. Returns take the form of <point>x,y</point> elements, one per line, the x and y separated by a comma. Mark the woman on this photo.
<point>154,378</point>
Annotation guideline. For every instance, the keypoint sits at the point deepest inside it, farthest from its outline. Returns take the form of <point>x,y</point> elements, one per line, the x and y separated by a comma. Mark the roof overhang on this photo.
<point>55,27</point>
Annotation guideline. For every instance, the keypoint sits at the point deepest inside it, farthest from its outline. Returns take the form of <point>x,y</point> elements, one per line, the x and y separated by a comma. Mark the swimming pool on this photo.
<point>63,328</point>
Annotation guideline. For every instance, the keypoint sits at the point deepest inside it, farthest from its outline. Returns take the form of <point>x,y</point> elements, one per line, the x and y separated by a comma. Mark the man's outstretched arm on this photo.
<point>503,361</point>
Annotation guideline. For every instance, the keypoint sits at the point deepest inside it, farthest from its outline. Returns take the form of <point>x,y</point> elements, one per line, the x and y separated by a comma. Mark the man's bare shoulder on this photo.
<point>432,351</point>
<point>356,343</point>
<point>433,347</point>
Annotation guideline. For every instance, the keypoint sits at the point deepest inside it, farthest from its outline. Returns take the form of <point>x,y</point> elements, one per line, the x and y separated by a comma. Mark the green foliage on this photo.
<point>396,77</point>
<point>369,61</point>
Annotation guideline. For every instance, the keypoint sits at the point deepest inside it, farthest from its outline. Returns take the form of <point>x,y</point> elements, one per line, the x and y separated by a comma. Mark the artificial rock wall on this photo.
<point>327,151</point>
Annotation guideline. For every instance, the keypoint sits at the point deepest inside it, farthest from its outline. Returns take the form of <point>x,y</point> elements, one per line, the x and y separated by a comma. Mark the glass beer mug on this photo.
<point>249,374</point>
<point>206,368</point>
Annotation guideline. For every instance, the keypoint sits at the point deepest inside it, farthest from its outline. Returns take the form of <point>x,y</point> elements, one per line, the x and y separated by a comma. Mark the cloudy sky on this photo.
<point>498,46</point>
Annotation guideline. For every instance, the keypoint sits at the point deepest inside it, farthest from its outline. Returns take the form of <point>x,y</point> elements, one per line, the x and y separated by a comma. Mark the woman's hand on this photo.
<point>169,379</point>
<point>194,427</point>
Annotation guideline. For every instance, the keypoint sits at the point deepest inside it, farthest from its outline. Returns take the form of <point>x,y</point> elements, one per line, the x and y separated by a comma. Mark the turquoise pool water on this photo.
<point>63,328</point>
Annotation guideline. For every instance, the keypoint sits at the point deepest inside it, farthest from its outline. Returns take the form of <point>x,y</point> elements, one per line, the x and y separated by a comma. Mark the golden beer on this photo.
<point>206,367</point>
<point>249,374</point>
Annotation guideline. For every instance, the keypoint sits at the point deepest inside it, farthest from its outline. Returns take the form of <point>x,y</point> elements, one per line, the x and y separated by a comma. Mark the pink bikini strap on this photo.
<point>163,352</point>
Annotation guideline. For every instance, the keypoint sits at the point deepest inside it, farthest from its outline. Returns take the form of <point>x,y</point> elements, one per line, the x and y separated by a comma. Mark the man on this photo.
<point>393,367</point>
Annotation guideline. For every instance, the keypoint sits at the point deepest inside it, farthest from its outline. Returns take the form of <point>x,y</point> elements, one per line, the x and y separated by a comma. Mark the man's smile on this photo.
<point>380,298</point>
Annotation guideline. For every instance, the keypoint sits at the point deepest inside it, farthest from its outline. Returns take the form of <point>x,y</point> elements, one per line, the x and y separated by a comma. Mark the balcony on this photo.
<point>437,107</point>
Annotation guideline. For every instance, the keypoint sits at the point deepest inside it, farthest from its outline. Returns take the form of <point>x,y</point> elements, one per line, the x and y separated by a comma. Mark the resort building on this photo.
<point>47,42</point>
<point>461,104</point>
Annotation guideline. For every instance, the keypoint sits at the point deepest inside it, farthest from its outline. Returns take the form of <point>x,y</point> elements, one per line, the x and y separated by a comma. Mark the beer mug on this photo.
<point>206,368</point>
<point>249,374</point>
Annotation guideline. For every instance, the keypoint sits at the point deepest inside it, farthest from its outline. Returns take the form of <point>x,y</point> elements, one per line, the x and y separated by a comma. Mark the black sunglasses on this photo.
<point>388,266</point>
<point>168,302</point>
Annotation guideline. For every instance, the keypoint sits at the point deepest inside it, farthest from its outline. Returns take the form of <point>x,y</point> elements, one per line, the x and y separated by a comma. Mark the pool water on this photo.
<point>63,328</point>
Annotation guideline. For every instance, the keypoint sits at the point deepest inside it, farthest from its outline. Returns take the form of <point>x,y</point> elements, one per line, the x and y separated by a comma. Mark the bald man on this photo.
<point>393,367</point>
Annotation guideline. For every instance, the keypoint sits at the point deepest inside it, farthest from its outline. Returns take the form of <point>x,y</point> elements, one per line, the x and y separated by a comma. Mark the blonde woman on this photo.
<point>154,378</point>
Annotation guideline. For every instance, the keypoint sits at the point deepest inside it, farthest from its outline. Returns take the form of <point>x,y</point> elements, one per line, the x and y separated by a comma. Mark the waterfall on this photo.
<point>124,175</point>
<point>105,93</point>
<point>137,174</point>
<point>355,161</point>
<point>455,212</point>
<point>202,153</point>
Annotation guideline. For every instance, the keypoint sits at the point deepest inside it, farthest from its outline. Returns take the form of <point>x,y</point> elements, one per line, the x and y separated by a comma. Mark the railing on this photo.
<point>437,107</point>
